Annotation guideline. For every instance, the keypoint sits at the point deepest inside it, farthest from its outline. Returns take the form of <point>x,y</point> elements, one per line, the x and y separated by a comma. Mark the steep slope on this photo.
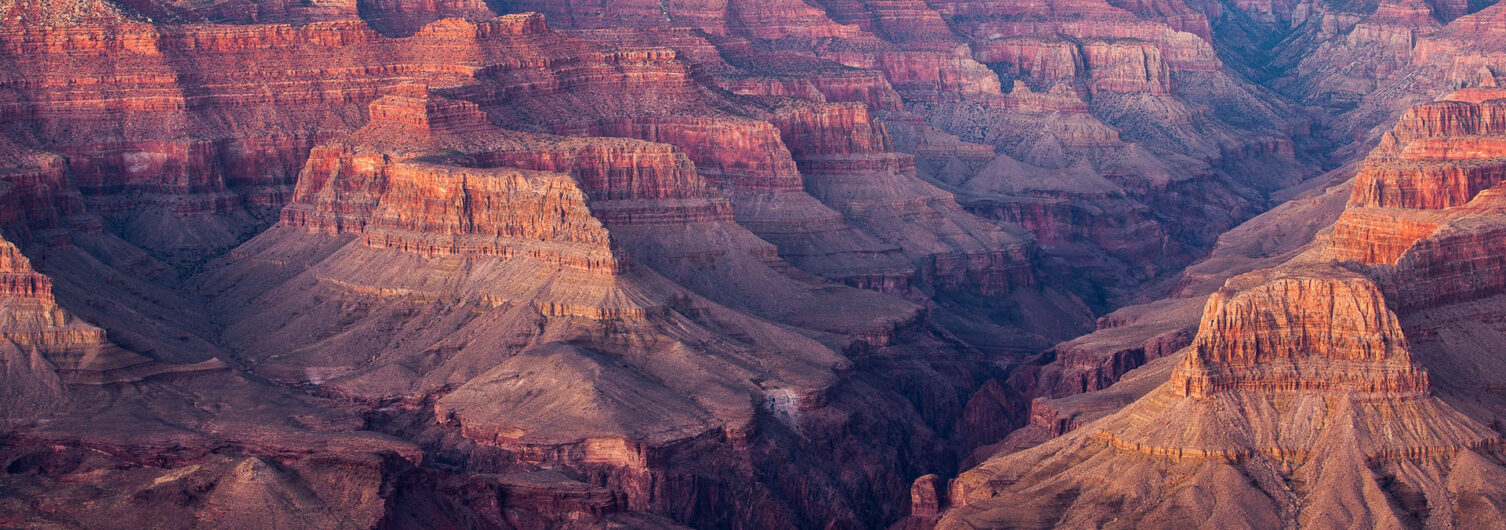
<point>493,283</point>
<point>1136,121</point>
<point>1433,58</point>
<point>1298,403</point>
<point>720,263</point>
<point>1310,359</point>
<point>105,429</point>
<point>413,261</point>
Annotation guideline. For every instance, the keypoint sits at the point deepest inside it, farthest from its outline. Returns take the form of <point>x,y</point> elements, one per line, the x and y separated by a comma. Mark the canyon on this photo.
<point>1304,379</point>
<point>751,264</point>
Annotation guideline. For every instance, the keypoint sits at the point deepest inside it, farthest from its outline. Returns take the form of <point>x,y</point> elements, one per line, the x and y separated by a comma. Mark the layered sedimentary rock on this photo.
<point>420,257</point>
<point>1366,64</point>
<point>1428,172</point>
<point>435,210</point>
<point>1351,378</point>
<point>841,152</point>
<point>1439,156</point>
<point>1336,403</point>
<point>523,272</point>
<point>33,319</point>
<point>901,21</point>
<point>46,345</point>
<point>1334,334</point>
<point>750,164</point>
<point>1097,360</point>
<point>1119,73</point>
<point>186,161</point>
<point>32,385</point>
<point>587,269</point>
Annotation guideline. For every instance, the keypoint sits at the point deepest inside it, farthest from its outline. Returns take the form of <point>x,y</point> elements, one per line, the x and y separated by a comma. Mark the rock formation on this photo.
<point>1305,373</point>
<point>524,271</point>
<point>1280,387</point>
<point>1425,202</point>
<point>747,264</point>
<point>936,69</point>
<point>412,257</point>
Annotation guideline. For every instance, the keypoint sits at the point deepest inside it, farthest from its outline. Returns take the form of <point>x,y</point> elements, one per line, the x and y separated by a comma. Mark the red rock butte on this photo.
<point>752,264</point>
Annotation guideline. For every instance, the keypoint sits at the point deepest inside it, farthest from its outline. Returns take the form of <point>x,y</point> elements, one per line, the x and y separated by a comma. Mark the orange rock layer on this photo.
<point>1437,160</point>
<point>369,188</point>
<point>1323,330</point>
<point>18,279</point>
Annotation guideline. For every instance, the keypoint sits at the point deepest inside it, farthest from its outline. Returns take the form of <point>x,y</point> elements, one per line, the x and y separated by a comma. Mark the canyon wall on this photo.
<point>1327,334</point>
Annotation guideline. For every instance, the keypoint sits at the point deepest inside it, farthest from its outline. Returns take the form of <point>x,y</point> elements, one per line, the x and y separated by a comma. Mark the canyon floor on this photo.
<point>752,264</point>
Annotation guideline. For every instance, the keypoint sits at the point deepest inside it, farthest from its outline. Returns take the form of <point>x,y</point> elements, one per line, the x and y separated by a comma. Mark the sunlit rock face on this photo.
<point>1299,372</point>
<point>749,264</point>
<point>1340,367</point>
<point>1299,333</point>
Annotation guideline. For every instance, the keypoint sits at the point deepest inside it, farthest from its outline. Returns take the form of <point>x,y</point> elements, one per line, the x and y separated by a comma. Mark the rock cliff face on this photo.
<point>32,386</point>
<point>332,206</point>
<point>33,320</point>
<point>748,264</point>
<point>1363,333</point>
<point>1276,388</point>
<point>958,68</point>
<point>1426,173</point>
<point>530,274</point>
<point>1297,333</point>
<point>432,209</point>
<point>1441,214</point>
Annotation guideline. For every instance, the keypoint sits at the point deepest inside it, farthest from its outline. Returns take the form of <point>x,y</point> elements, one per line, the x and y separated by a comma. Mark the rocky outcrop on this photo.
<point>1294,331</point>
<point>1303,372</point>
<point>470,237</point>
<point>1118,73</point>
<point>1427,230</point>
<point>1318,389</point>
<point>1428,172</point>
<point>1459,262</point>
<point>596,272</point>
<point>1105,66</point>
<point>901,21</point>
<point>925,497</point>
<point>1378,236</point>
<point>1439,156</point>
<point>1096,361</point>
<point>45,345</point>
<point>37,195</point>
<point>842,154</point>
<point>19,279</point>
<point>32,386</point>
<point>437,210</point>
<point>938,76</point>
